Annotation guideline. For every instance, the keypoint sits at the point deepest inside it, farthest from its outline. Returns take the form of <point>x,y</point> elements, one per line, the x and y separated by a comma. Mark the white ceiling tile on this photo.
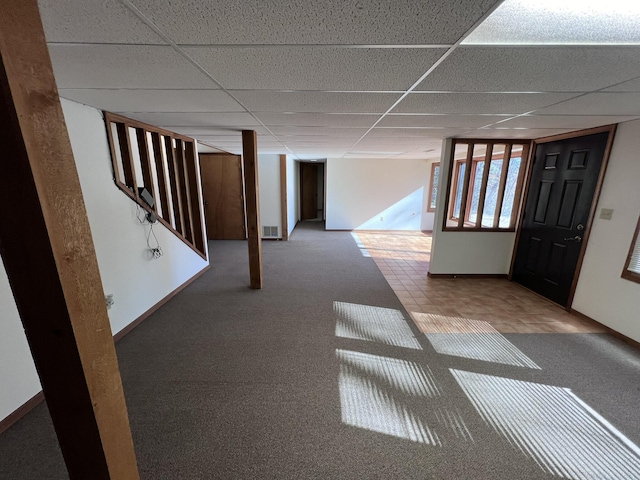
<point>124,66</point>
<point>629,86</point>
<point>220,139</point>
<point>310,139</point>
<point>387,144</point>
<point>492,103</point>
<point>315,102</point>
<point>414,132</point>
<point>597,104</point>
<point>523,133</point>
<point>309,68</point>
<point>440,121</point>
<point>534,69</point>
<point>121,100</point>
<point>335,132</point>
<point>104,21</point>
<point>213,131</point>
<point>553,22</point>
<point>397,22</point>
<point>317,120</point>
<point>561,121</point>
<point>197,119</point>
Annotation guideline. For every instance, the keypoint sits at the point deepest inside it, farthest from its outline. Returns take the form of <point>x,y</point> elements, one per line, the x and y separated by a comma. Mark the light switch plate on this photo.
<point>606,213</point>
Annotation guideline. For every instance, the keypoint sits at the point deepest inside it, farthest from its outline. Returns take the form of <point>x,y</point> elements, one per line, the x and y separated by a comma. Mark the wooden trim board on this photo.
<point>21,411</point>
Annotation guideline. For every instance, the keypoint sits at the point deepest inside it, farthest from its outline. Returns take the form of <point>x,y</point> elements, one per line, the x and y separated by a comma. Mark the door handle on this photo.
<point>577,238</point>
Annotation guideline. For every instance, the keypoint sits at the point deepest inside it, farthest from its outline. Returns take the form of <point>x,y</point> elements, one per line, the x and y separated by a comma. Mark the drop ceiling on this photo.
<point>344,78</point>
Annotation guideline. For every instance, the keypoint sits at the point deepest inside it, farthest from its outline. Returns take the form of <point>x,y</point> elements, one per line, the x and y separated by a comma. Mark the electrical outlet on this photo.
<point>109,300</point>
<point>606,213</point>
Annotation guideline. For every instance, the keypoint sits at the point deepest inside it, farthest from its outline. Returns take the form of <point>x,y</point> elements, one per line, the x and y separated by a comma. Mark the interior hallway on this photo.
<point>403,258</point>
<point>321,375</point>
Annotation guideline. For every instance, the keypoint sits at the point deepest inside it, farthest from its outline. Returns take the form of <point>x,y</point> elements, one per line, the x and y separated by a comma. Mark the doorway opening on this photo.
<point>312,191</point>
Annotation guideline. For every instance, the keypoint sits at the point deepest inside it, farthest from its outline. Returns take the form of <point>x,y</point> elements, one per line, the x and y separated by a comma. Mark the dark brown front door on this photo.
<point>222,195</point>
<point>563,182</point>
<point>309,191</point>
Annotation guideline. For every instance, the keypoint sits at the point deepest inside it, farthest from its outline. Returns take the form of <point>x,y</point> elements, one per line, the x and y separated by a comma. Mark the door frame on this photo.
<point>611,129</point>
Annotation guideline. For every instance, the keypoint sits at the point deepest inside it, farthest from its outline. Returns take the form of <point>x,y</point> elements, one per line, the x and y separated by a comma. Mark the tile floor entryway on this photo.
<point>452,304</point>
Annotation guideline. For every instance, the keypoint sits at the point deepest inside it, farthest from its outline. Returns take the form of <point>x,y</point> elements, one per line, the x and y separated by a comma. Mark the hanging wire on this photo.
<point>145,219</point>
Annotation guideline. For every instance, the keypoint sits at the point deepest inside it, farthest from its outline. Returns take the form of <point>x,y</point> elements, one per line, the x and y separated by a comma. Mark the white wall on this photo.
<point>120,242</point>
<point>293,193</point>
<point>376,194</point>
<point>269,189</point>
<point>601,293</point>
<point>18,378</point>
<point>466,252</point>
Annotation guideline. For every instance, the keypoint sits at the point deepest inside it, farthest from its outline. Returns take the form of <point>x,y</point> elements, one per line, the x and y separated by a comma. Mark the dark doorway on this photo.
<point>222,195</point>
<point>311,191</point>
<point>564,179</point>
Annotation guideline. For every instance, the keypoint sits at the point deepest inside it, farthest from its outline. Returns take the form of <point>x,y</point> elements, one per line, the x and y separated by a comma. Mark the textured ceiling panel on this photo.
<point>400,143</point>
<point>213,131</point>
<point>119,100</point>
<point>117,66</point>
<point>603,103</point>
<point>308,68</point>
<point>317,120</point>
<point>412,132</point>
<point>562,121</point>
<point>534,69</point>
<point>630,86</point>
<point>104,21</point>
<point>556,22</point>
<point>186,119</point>
<point>283,131</point>
<point>524,133</point>
<point>440,121</point>
<point>380,22</point>
<point>315,102</point>
<point>297,139</point>
<point>494,103</point>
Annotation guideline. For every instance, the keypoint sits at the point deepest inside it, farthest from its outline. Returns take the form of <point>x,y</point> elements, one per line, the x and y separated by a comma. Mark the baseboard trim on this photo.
<point>610,331</point>
<point>466,275</point>
<point>21,411</point>
<point>126,330</point>
<point>39,397</point>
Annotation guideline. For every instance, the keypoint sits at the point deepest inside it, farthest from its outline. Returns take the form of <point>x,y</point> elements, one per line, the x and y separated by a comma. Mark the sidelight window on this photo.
<point>485,184</point>
<point>433,186</point>
<point>632,266</point>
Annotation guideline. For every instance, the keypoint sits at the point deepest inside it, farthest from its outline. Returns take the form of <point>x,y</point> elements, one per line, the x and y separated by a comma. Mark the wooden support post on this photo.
<point>284,210</point>
<point>48,253</point>
<point>250,160</point>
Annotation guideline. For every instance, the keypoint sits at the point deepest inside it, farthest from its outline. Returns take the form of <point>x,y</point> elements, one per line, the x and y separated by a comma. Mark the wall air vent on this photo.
<point>270,232</point>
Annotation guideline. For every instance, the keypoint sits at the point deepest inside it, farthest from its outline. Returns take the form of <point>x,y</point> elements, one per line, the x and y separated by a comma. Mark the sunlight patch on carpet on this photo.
<point>554,427</point>
<point>375,393</point>
<point>485,343</point>
<point>374,324</point>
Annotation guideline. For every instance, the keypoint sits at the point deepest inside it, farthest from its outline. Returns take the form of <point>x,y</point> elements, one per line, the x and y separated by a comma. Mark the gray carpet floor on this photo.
<point>321,375</point>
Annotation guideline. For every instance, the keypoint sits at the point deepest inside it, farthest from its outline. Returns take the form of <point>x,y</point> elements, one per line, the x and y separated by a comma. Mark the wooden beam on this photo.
<point>483,185</point>
<point>161,175</point>
<point>284,211</point>
<point>506,159</point>
<point>195,201</point>
<point>252,195</point>
<point>48,253</point>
